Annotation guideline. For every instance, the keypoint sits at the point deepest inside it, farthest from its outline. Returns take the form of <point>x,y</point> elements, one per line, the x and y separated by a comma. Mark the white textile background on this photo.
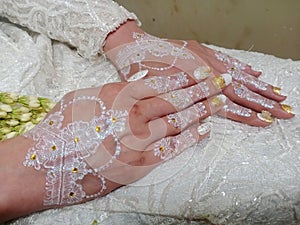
<point>242,175</point>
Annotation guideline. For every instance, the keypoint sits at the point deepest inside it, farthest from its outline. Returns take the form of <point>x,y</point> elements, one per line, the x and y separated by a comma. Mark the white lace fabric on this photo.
<point>84,24</point>
<point>243,175</point>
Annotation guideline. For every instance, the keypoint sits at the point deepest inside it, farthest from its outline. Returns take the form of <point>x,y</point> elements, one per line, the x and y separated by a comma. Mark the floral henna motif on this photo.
<point>169,147</point>
<point>184,118</point>
<point>150,48</point>
<point>235,68</point>
<point>62,150</point>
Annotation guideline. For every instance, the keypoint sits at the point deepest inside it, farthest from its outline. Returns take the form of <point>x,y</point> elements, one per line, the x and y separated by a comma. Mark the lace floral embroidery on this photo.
<point>62,151</point>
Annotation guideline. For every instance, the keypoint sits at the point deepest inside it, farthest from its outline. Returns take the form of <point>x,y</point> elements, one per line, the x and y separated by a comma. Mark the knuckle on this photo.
<point>137,111</point>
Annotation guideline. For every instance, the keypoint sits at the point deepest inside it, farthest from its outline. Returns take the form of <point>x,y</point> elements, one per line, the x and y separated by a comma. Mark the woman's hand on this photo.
<point>97,139</point>
<point>132,50</point>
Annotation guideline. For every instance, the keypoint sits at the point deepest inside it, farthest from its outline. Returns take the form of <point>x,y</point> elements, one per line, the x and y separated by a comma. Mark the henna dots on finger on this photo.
<point>243,92</point>
<point>169,147</point>
<point>183,119</point>
<point>164,84</point>
<point>202,72</point>
<point>235,68</point>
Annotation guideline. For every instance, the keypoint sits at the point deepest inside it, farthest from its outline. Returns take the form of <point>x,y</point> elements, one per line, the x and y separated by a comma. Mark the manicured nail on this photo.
<point>277,90</point>
<point>202,72</point>
<point>137,76</point>
<point>218,100</point>
<point>221,81</point>
<point>287,108</point>
<point>266,116</point>
<point>204,128</point>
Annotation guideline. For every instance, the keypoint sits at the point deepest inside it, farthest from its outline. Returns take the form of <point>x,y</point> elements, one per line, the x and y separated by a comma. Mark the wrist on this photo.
<point>122,35</point>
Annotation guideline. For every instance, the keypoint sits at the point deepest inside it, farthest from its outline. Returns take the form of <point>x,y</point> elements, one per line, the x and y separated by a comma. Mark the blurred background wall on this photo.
<point>269,26</point>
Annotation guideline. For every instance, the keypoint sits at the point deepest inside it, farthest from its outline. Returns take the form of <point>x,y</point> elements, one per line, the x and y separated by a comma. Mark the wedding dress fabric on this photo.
<point>241,175</point>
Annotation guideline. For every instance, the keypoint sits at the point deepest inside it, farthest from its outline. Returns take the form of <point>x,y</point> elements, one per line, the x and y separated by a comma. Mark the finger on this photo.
<point>171,146</point>
<point>180,99</point>
<point>234,65</point>
<point>248,69</point>
<point>258,86</point>
<point>183,98</point>
<point>136,163</point>
<point>241,95</point>
<point>154,86</point>
<point>174,123</point>
<point>245,115</point>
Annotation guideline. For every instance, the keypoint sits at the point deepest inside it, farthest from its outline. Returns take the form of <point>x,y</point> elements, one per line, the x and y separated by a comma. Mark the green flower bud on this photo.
<point>20,110</point>
<point>5,130</point>
<point>26,127</point>
<point>5,108</point>
<point>12,122</point>
<point>10,135</point>
<point>25,117</point>
<point>3,114</point>
<point>6,98</point>
<point>34,104</point>
<point>23,100</point>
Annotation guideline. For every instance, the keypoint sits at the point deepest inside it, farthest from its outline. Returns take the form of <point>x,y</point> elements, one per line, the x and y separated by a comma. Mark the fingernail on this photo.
<point>204,128</point>
<point>221,81</point>
<point>218,100</point>
<point>277,90</point>
<point>266,116</point>
<point>137,76</point>
<point>287,108</point>
<point>202,72</point>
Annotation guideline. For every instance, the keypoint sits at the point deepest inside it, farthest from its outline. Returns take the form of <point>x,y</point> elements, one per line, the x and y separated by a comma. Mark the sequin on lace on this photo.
<point>62,150</point>
<point>149,48</point>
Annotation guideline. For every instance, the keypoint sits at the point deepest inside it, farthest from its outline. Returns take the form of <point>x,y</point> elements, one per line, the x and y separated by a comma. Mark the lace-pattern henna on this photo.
<point>180,99</point>
<point>235,68</point>
<point>150,48</point>
<point>62,150</point>
<point>198,91</point>
<point>165,84</point>
<point>184,118</point>
<point>169,147</point>
<point>243,92</point>
<point>237,109</point>
<point>202,72</point>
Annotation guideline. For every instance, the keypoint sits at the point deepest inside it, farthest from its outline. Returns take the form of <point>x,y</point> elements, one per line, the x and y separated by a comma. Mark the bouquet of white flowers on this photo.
<point>19,113</point>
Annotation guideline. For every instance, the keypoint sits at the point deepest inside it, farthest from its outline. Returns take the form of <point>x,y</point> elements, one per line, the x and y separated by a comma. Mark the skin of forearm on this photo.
<point>122,35</point>
<point>22,189</point>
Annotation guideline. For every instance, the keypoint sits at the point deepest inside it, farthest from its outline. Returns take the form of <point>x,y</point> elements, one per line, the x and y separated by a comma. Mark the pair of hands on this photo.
<point>119,132</point>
